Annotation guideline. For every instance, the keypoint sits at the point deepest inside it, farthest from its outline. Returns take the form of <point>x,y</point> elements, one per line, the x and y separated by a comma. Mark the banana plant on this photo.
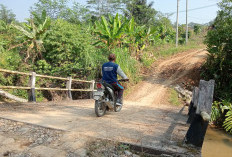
<point>110,32</point>
<point>142,37</point>
<point>130,38</point>
<point>33,34</point>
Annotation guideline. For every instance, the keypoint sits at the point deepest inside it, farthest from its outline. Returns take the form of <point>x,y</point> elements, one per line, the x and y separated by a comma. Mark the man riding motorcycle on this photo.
<point>109,75</point>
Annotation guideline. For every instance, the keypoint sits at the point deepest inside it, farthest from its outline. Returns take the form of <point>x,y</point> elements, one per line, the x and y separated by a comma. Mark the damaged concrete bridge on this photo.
<point>63,128</point>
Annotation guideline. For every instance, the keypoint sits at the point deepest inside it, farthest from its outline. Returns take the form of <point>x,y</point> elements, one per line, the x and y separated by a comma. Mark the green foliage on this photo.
<point>173,99</point>
<point>76,42</point>
<point>6,15</point>
<point>228,121</point>
<point>110,32</point>
<point>143,13</point>
<point>216,112</point>
<point>197,29</point>
<point>61,9</point>
<point>147,59</point>
<point>222,114</point>
<point>69,51</point>
<point>218,41</point>
<point>54,8</point>
<point>129,65</point>
<point>78,14</point>
<point>12,61</point>
<point>33,34</point>
<point>116,32</point>
<point>105,7</point>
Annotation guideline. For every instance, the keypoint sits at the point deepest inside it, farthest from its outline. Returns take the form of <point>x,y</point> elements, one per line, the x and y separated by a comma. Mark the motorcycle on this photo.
<point>105,98</point>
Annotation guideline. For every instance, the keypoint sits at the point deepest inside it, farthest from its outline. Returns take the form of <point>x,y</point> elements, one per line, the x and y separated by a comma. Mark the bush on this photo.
<point>219,64</point>
<point>218,41</point>
<point>69,51</point>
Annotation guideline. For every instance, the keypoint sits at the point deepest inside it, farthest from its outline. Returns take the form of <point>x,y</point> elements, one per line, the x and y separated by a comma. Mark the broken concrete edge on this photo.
<point>190,149</point>
<point>205,116</point>
<point>157,151</point>
<point>186,94</point>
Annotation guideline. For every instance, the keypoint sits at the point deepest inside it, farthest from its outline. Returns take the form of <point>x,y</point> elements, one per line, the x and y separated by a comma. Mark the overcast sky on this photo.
<point>207,8</point>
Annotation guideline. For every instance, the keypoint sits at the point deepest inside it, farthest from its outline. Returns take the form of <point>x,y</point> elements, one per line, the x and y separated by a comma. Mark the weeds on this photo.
<point>173,99</point>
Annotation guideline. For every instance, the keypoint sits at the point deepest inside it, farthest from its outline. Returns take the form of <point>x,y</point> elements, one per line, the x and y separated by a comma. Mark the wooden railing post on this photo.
<point>31,93</point>
<point>69,87</point>
<point>92,88</point>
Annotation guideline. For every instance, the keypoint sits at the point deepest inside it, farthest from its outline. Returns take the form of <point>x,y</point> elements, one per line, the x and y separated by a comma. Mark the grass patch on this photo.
<point>171,49</point>
<point>173,98</point>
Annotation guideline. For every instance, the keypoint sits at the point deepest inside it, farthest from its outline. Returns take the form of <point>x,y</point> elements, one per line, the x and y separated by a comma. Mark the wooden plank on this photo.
<point>43,76</point>
<point>14,87</point>
<point>52,77</point>
<point>52,89</point>
<point>64,89</point>
<point>83,90</point>
<point>14,72</point>
<point>38,88</point>
<point>61,78</point>
<point>76,80</point>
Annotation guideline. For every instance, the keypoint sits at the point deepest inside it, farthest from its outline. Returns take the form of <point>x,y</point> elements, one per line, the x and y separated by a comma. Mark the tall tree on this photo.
<point>78,13</point>
<point>61,9</point>
<point>143,13</point>
<point>54,8</point>
<point>106,7</point>
<point>218,41</point>
<point>6,15</point>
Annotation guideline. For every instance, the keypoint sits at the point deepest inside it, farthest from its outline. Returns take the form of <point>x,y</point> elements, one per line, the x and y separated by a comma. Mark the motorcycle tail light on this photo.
<point>99,85</point>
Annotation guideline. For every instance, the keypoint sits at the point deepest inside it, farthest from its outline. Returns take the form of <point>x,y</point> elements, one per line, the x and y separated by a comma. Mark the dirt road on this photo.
<point>146,118</point>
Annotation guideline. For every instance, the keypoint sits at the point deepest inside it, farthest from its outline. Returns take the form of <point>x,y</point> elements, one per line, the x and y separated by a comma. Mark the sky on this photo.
<point>201,16</point>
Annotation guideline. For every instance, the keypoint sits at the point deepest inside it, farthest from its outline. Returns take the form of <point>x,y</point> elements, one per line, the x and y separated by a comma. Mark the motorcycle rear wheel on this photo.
<point>100,108</point>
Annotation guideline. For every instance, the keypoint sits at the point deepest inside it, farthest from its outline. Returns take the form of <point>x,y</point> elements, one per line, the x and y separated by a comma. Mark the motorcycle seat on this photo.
<point>108,85</point>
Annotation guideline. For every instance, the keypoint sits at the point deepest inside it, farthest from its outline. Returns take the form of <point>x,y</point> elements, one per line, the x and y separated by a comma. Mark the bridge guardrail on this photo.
<point>32,81</point>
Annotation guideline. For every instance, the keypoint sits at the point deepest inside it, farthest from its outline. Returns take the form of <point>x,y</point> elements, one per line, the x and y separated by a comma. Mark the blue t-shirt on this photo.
<point>109,72</point>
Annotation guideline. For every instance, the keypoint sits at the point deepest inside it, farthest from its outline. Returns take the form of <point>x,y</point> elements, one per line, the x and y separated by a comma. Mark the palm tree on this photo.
<point>33,34</point>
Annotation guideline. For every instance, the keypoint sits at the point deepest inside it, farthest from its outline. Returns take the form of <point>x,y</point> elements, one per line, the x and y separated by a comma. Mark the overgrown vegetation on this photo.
<point>174,99</point>
<point>75,41</point>
<point>219,64</point>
